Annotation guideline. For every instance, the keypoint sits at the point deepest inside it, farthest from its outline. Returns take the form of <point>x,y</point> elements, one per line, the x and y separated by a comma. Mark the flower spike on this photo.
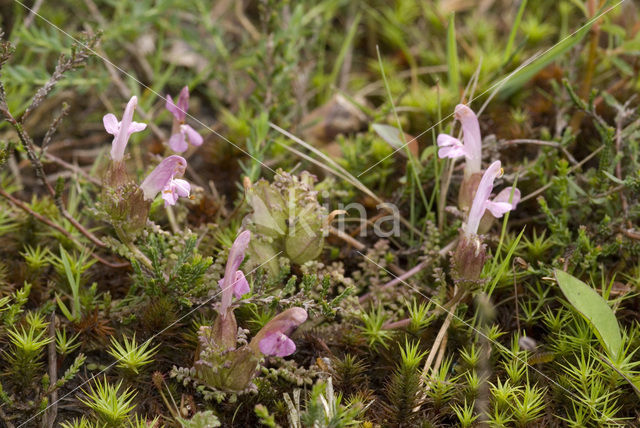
<point>122,130</point>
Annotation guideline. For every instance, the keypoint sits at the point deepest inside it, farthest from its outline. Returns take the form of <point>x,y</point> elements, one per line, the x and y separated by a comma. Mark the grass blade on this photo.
<point>514,30</point>
<point>452,56</point>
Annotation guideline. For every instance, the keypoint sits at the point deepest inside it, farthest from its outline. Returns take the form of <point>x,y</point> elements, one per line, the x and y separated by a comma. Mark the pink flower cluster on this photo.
<point>165,178</point>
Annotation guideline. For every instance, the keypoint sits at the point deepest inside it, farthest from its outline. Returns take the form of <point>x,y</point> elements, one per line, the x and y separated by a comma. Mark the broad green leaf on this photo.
<point>594,309</point>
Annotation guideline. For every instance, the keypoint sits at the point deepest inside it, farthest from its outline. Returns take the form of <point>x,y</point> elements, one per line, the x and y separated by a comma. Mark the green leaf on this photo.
<point>613,178</point>
<point>66,312</point>
<point>390,134</point>
<point>427,153</point>
<point>514,30</point>
<point>593,308</point>
<point>452,56</point>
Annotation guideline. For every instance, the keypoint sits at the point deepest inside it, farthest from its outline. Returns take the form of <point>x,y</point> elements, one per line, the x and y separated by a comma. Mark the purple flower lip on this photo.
<point>175,189</point>
<point>272,339</point>
<point>277,344</point>
<point>122,130</point>
<point>240,285</point>
<point>179,142</point>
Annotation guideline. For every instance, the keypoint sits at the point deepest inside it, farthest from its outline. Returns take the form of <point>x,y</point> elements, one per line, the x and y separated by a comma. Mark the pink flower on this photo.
<point>122,130</point>
<point>451,147</point>
<point>277,344</point>
<point>175,189</point>
<point>181,131</point>
<point>234,281</point>
<point>481,202</point>
<point>162,179</point>
<point>178,141</point>
<point>240,284</point>
<point>272,339</point>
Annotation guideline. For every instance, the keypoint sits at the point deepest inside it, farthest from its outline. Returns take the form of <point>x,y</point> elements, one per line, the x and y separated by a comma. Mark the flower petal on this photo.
<point>498,209</point>
<point>162,175</point>
<point>240,285</point>
<point>177,143</point>
<point>194,138</point>
<point>236,256</point>
<point>181,187</point>
<point>174,109</point>
<point>471,136</point>
<point>111,123</point>
<point>170,197</point>
<point>446,140</point>
<point>451,152</point>
<point>183,101</point>
<point>505,195</point>
<point>450,147</point>
<point>122,136</point>
<point>137,127</point>
<point>277,344</point>
<point>285,322</point>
